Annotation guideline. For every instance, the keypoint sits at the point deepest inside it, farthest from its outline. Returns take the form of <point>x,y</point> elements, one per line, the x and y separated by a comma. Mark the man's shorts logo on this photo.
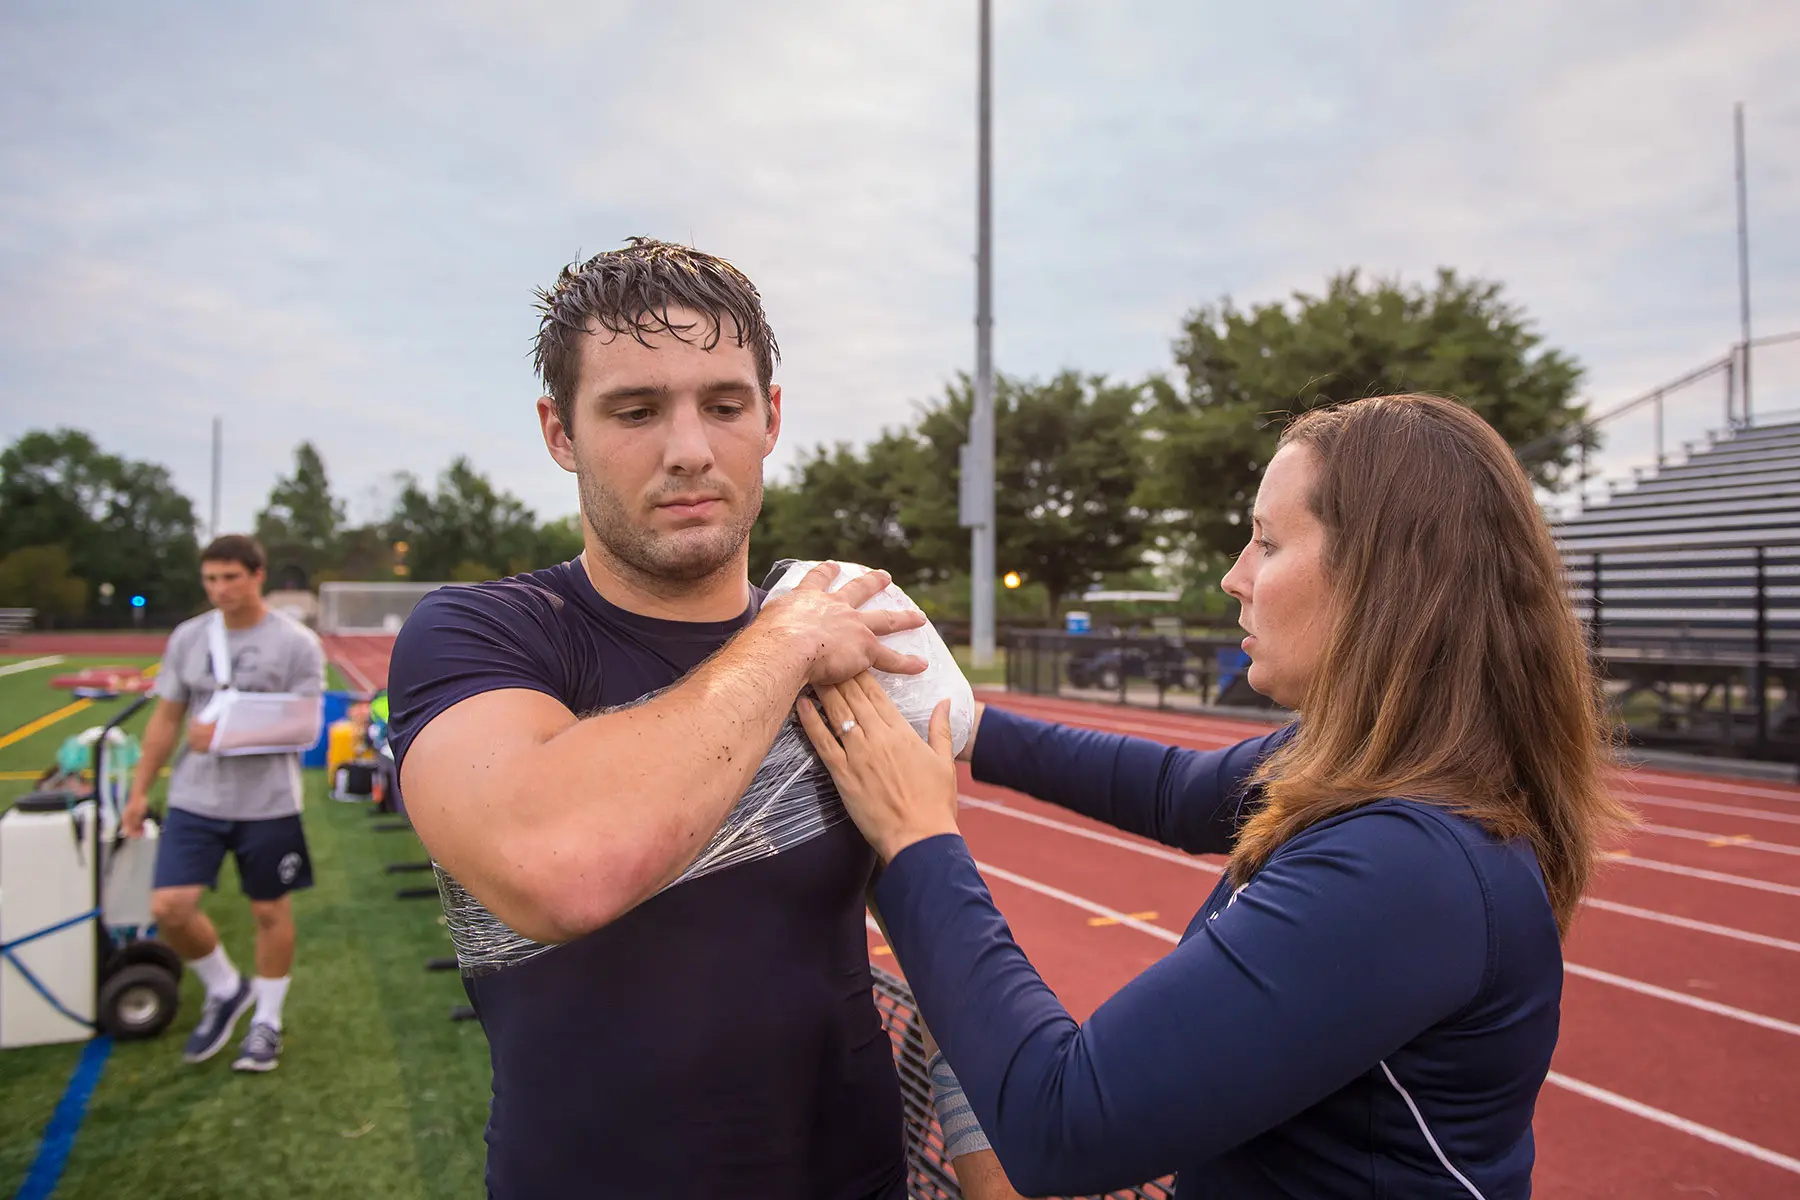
<point>289,869</point>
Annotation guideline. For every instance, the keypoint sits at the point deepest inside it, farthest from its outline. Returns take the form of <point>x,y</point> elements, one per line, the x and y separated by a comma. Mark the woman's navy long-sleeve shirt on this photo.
<point>1391,958</point>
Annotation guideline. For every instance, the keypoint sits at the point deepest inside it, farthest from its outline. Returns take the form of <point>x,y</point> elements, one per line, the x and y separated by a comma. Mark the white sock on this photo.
<point>217,973</point>
<point>269,995</point>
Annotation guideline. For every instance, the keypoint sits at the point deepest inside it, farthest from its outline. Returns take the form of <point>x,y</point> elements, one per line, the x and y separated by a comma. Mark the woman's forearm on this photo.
<point>1183,798</point>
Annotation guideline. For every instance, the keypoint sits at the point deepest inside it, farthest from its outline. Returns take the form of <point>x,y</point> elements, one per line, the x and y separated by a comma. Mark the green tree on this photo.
<point>843,504</point>
<point>1068,459</point>
<point>1069,454</point>
<point>121,521</point>
<point>365,553</point>
<point>42,577</point>
<point>559,540</point>
<point>466,524</point>
<point>1242,373</point>
<point>301,523</point>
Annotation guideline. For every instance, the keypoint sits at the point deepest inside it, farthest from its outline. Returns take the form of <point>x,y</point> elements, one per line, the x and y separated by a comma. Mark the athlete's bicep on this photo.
<point>468,780</point>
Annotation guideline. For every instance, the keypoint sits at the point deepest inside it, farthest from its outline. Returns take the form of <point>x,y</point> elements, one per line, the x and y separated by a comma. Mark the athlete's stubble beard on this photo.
<point>683,557</point>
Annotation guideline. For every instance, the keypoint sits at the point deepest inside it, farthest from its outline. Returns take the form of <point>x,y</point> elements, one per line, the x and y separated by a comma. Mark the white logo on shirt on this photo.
<point>1230,902</point>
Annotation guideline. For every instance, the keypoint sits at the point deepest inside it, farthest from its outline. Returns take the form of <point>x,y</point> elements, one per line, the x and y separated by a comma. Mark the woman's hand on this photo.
<point>899,790</point>
<point>968,751</point>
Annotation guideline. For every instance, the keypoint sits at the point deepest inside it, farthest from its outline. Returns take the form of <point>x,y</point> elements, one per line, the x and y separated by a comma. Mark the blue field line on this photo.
<point>59,1136</point>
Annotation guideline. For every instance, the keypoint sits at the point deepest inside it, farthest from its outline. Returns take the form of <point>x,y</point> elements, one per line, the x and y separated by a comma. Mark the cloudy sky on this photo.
<point>325,221</point>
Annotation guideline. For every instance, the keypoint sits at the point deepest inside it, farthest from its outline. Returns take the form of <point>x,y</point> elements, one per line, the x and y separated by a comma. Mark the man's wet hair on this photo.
<point>633,290</point>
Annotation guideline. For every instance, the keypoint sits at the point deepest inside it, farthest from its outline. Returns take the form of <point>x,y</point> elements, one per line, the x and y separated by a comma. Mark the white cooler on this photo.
<point>46,878</point>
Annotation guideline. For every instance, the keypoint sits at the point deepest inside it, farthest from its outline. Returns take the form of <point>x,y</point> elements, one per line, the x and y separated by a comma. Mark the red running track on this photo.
<point>1678,1071</point>
<point>363,659</point>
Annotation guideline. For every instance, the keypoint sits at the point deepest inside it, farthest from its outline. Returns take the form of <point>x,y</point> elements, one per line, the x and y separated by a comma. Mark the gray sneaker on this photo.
<point>218,1021</point>
<point>261,1050</point>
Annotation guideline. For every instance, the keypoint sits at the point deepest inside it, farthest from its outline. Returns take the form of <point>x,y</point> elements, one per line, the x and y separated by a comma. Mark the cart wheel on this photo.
<point>1109,679</point>
<point>144,950</point>
<point>138,1001</point>
<point>1190,680</point>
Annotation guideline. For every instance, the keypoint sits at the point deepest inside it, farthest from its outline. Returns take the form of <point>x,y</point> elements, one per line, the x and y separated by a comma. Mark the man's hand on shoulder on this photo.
<point>839,641</point>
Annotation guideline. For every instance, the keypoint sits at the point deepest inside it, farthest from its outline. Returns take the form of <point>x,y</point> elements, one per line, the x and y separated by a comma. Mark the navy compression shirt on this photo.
<point>720,1039</point>
<point>1393,956</point>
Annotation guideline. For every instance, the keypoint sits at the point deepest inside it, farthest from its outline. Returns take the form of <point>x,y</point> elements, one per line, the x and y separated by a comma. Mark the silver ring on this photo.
<point>847,726</point>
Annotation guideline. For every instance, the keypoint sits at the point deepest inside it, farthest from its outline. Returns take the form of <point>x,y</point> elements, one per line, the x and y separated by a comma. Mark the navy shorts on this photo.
<point>271,854</point>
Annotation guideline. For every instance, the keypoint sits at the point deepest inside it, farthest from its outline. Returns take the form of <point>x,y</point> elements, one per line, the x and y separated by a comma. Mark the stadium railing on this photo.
<point>14,621</point>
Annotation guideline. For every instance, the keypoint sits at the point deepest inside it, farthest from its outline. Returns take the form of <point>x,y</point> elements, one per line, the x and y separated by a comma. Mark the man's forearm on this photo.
<point>611,809</point>
<point>159,742</point>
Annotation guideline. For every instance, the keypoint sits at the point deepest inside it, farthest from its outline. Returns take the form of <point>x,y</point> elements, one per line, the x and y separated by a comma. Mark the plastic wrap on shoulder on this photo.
<point>914,695</point>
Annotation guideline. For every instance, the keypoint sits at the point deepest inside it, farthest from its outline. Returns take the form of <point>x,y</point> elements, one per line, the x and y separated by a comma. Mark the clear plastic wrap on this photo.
<point>790,799</point>
<point>914,695</point>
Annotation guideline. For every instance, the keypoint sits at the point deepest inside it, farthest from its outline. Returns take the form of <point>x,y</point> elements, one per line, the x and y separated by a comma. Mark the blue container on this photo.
<point>337,707</point>
<point>1232,663</point>
<point>1075,622</point>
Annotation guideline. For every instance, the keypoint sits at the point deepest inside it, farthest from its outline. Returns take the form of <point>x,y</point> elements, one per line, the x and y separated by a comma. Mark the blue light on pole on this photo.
<point>137,601</point>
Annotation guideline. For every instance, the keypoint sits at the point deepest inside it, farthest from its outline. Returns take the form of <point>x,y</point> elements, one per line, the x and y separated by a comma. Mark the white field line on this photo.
<point>1731,841</point>
<point>1200,864</point>
<point>1724,931</point>
<point>31,664</point>
<point>1705,1133</point>
<point>1682,998</point>
<point>1743,881</point>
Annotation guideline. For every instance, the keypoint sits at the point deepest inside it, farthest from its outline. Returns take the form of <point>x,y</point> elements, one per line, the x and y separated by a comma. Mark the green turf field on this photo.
<point>378,1093</point>
<point>978,676</point>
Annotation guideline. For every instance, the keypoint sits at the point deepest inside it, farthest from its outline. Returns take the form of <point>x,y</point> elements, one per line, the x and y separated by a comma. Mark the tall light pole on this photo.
<point>1743,216</point>
<point>978,455</point>
<point>217,455</point>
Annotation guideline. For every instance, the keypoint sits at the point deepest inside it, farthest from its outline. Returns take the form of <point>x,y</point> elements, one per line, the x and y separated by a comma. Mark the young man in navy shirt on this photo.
<point>570,739</point>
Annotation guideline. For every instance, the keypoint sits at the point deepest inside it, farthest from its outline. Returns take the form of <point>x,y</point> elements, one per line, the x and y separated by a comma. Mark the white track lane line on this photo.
<point>1724,931</point>
<point>357,677</point>
<point>1724,810</point>
<point>1705,1133</point>
<point>1094,835</point>
<point>1606,977</point>
<point>1634,1107</point>
<point>1730,787</point>
<point>1744,881</point>
<point>1149,723</point>
<point>31,664</point>
<point>1682,998</point>
<point>1731,841</point>
<point>1200,864</point>
<point>1081,902</point>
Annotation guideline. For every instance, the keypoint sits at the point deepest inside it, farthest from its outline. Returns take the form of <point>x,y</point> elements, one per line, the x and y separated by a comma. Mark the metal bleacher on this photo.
<point>14,621</point>
<point>1689,580</point>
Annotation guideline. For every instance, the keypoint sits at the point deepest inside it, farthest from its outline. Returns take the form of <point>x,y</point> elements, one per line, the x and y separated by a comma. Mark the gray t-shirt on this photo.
<point>278,654</point>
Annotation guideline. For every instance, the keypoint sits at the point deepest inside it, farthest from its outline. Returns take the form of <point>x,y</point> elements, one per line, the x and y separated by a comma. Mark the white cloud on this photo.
<point>328,223</point>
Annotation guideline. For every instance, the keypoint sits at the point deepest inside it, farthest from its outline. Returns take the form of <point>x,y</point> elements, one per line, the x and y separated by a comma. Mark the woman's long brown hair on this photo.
<point>1455,671</point>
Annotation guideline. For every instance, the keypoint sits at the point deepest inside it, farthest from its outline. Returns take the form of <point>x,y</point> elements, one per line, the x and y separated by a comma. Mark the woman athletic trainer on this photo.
<point>1367,1003</point>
